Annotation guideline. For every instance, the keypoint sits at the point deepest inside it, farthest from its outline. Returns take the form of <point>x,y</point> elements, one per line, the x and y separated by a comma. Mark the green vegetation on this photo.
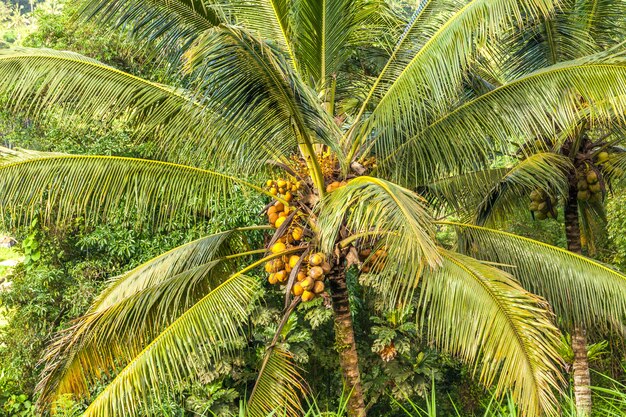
<point>240,208</point>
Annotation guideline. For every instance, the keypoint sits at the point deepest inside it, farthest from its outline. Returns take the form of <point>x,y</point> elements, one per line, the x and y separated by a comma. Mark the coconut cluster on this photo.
<point>588,185</point>
<point>542,205</point>
<point>310,278</point>
<point>603,160</point>
<point>283,188</point>
<point>373,262</point>
<point>311,269</point>
<point>277,214</point>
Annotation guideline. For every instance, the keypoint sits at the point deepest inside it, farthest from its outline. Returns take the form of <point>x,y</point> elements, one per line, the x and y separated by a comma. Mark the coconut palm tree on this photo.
<point>574,167</point>
<point>271,91</point>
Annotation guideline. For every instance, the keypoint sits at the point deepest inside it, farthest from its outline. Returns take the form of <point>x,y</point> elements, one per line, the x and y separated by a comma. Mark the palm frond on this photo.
<point>171,26</point>
<point>546,41</point>
<point>207,331</point>
<point>390,217</point>
<point>579,289</point>
<point>134,309</point>
<point>602,19</point>
<point>278,388</point>
<point>540,104</point>
<point>61,186</point>
<point>430,81</point>
<point>428,16</point>
<point>481,314</point>
<point>544,171</point>
<point>329,31</point>
<point>38,80</point>
<point>495,193</point>
<point>258,91</point>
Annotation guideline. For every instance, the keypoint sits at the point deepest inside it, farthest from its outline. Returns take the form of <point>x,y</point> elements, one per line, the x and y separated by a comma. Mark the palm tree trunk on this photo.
<point>344,340</point>
<point>582,380</point>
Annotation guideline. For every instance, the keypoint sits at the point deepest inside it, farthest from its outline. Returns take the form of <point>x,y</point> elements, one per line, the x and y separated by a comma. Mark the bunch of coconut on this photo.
<point>373,262</point>
<point>277,214</point>
<point>603,160</point>
<point>280,268</point>
<point>542,205</point>
<point>588,185</point>
<point>284,188</point>
<point>310,279</point>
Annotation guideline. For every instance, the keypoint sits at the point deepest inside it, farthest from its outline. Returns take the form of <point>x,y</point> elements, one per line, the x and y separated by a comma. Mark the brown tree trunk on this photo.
<point>345,344</point>
<point>582,380</point>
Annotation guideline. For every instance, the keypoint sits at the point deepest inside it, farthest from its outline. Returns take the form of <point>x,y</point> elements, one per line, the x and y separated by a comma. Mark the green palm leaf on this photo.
<point>207,331</point>
<point>37,80</point>
<point>135,308</point>
<point>180,22</point>
<point>256,86</point>
<point>388,216</point>
<point>481,314</point>
<point>546,41</point>
<point>541,104</point>
<point>579,289</point>
<point>498,192</point>
<point>545,171</point>
<point>431,80</point>
<point>171,25</point>
<point>278,388</point>
<point>329,31</point>
<point>65,186</point>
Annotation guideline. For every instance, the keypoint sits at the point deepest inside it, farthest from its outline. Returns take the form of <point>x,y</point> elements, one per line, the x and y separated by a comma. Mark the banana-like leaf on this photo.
<point>389,217</point>
<point>541,104</point>
<point>204,333</point>
<point>481,314</point>
<point>64,186</point>
<point>580,290</point>
<point>134,309</point>
<point>278,388</point>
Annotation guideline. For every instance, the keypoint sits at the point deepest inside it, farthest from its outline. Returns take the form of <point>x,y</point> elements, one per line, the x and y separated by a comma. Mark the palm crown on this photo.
<point>269,88</point>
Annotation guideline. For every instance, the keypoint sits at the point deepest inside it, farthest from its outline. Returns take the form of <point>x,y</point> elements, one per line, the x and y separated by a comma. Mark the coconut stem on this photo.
<point>582,379</point>
<point>344,340</point>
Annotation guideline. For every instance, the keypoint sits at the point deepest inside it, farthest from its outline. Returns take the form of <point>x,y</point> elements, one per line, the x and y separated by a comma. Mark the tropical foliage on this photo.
<point>363,163</point>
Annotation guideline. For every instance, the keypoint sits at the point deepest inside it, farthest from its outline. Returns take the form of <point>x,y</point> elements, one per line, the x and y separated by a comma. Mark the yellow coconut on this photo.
<point>308,284</point>
<point>316,259</point>
<point>297,233</point>
<point>279,221</point>
<point>307,296</point>
<point>278,247</point>
<point>281,276</point>
<point>316,272</point>
<point>297,289</point>
<point>293,260</point>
